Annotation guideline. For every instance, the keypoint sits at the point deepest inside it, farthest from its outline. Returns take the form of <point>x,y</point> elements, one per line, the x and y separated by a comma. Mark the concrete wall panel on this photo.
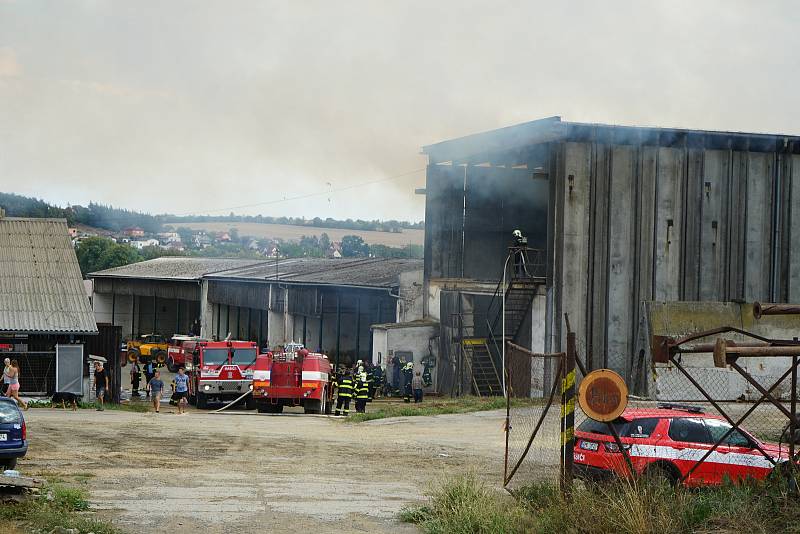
<point>758,227</point>
<point>794,228</point>
<point>621,257</point>
<point>668,231</point>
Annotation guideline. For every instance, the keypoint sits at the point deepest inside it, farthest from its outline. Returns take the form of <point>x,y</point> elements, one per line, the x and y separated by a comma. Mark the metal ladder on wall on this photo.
<point>485,375</point>
<point>519,294</point>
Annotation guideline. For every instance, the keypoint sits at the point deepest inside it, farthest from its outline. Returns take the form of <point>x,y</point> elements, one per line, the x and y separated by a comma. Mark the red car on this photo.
<point>667,442</point>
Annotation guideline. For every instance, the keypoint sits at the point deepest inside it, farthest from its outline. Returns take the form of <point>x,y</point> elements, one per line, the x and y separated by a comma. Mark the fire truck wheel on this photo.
<point>250,403</point>
<point>328,403</point>
<point>161,357</point>
<point>192,400</point>
<point>202,401</point>
<point>171,367</point>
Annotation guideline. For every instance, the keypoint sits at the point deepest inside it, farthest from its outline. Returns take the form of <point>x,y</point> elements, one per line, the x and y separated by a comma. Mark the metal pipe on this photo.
<point>503,337</point>
<point>761,309</point>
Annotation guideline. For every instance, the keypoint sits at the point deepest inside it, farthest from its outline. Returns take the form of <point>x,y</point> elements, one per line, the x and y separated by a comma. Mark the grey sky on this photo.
<point>185,106</point>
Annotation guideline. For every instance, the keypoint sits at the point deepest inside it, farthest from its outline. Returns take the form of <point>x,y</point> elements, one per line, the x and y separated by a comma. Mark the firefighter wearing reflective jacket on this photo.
<point>408,371</point>
<point>344,383</point>
<point>362,394</point>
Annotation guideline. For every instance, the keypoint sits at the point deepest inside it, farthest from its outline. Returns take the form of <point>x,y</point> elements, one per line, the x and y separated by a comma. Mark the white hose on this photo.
<point>246,393</point>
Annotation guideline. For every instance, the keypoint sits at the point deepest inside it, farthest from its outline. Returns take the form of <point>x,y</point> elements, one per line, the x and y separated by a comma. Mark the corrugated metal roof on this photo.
<point>361,272</point>
<point>41,289</point>
<point>174,268</point>
<point>553,129</point>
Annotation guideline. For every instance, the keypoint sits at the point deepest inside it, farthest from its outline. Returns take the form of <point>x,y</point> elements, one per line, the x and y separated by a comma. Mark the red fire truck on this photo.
<point>176,356</point>
<point>293,377</point>
<point>219,370</point>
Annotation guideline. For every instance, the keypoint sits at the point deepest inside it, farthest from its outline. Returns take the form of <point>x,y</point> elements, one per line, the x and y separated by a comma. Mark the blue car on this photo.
<point>13,434</point>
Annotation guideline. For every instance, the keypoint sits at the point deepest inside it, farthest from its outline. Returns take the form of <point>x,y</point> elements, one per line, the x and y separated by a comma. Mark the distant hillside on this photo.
<point>116,219</point>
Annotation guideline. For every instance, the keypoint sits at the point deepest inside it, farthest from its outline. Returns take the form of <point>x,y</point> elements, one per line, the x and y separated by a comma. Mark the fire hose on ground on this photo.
<point>246,393</point>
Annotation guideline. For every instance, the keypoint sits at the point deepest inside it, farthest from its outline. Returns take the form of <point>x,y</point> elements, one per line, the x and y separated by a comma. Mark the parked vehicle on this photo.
<point>219,370</point>
<point>13,434</point>
<point>293,377</point>
<point>176,356</point>
<point>666,442</point>
<point>149,347</point>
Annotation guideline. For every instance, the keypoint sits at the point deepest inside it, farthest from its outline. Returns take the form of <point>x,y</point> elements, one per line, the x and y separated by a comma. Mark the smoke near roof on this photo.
<point>188,106</point>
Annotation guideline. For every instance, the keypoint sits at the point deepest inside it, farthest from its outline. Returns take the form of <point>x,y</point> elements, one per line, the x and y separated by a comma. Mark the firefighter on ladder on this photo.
<point>518,251</point>
<point>344,384</point>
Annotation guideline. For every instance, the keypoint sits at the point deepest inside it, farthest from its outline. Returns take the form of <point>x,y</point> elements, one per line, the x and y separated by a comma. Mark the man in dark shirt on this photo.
<point>100,384</point>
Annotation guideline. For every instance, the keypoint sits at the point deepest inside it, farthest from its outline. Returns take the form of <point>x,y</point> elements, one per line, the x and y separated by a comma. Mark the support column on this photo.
<point>260,328</point>
<point>358,327</point>
<point>338,326</point>
<point>321,314</point>
<point>155,313</point>
<point>305,320</point>
<point>133,316</point>
<point>177,316</point>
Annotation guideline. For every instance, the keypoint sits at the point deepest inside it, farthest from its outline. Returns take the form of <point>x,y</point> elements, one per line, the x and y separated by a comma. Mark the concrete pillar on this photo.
<point>206,312</point>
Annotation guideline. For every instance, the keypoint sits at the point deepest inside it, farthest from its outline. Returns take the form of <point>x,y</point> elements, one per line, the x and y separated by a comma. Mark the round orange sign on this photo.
<point>603,395</point>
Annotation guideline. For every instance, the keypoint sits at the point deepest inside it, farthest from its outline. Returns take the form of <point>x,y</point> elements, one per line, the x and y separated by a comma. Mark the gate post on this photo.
<point>568,415</point>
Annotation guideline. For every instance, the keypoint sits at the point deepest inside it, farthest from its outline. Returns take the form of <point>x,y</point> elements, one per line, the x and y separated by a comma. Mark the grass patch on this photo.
<point>434,406</point>
<point>124,407</point>
<point>464,504</point>
<point>57,506</point>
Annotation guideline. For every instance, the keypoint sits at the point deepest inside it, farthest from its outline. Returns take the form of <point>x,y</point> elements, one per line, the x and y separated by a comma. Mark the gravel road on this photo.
<point>245,472</point>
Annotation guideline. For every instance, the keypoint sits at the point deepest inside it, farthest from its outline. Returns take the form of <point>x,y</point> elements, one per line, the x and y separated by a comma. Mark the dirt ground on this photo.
<point>246,472</point>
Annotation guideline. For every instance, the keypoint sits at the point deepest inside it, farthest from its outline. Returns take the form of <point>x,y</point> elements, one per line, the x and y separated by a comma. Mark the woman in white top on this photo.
<point>13,388</point>
<point>6,377</point>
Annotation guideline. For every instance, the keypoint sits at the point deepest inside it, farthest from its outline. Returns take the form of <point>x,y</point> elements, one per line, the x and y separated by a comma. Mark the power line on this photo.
<point>307,195</point>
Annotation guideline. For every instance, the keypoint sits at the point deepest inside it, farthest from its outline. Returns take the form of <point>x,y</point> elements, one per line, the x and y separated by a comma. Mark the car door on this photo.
<point>689,440</point>
<point>738,457</point>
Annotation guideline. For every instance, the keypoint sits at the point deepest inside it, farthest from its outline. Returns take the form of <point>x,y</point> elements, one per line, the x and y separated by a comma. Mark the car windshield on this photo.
<point>244,356</point>
<point>8,413</point>
<point>215,356</point>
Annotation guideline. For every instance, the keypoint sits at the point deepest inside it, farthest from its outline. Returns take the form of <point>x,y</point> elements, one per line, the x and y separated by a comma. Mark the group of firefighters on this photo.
<point>362,384</point>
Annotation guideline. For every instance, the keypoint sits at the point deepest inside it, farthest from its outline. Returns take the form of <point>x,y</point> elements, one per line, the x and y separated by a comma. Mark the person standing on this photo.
<point>149,373</point>
<point>6,376</point>
<point>181,390</point>
<point>362,394</point>
<point>13,385</point>
<point>136,376</point>
<point>100,384</point>
<point>416,385</point>
<point>344,386</point>
<point>154,387</point>
<point>408,370</point>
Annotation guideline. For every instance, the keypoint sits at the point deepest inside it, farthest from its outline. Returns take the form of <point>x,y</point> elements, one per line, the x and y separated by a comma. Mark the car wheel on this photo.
<point>662,474</point>
<point>134,355</point>
<point>9,463</point>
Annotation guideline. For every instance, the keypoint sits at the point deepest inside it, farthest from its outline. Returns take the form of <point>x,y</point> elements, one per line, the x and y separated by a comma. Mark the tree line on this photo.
<point>116,219</point>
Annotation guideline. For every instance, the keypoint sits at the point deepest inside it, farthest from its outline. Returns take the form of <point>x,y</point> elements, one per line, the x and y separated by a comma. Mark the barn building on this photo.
<point>619,216</point>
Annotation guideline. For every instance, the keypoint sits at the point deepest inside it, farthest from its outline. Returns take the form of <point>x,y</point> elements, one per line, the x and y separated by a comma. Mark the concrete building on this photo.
<point>624,215</point>
<point>325,304</point>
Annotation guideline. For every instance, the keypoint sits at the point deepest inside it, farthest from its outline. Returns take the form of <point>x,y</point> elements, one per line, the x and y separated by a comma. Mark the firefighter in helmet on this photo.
<point>344,385</point>
<point>518,251</point>
<point>408,372</point>
<point>361,393</point>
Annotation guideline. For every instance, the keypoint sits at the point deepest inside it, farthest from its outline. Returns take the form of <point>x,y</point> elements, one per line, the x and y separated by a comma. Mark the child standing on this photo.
<point>154,388</point>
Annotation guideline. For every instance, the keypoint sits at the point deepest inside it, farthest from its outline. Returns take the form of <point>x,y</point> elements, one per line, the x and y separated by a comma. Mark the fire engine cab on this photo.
<point>292,377</point>
<point>219,370</point>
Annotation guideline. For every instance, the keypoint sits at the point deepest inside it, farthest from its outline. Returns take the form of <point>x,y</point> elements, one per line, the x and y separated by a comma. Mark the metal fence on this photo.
<point>37,371</point>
